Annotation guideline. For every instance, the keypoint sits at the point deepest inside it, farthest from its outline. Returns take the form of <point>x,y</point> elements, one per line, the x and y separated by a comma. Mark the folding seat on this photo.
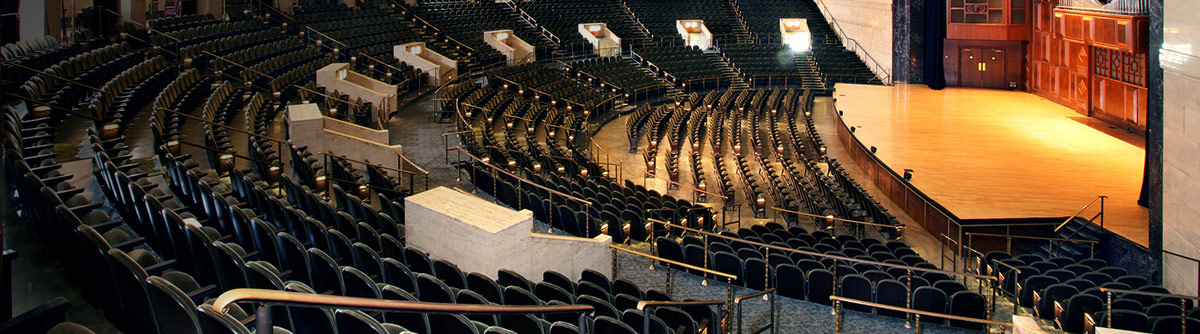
<point>391,247</point>
<point>876,276</point>
<point>790,281</point>
<point>1173,324</point>
<point>324,272</point>
<point>470,297</point>
<point>214,323</point>
<point>1030,258</point>
<point>547,292</point>
<point>677,318</point>
<point>294,257</point>
<point>357,322</point>
<point>1148,300</point>
<point>1125,320</point>
<point>431,289</point>
<point>968,304</point>
<point>263,275</point>
<point>417,322</point>
<point>397,274</point>
<point>1057,292</point>
<point>891,292</point>
<point>1095,264</point>
<point>449,274</point>
<point>174,311</point>
<point>808,265</point>
<point>507,277</point>
<point>417,261</point>
<point>856,287</point>
<point>934,277</point>
<point>1128,304</point>
<point>559,280</point>
<point>626,287</point>
<point>696,256</point>
<point>932,300</point>
<point>1077,269</point>
<point>367,235</point>
<point>1163,309</point>
<point>356,283</point>
<point>757,276</point>
<point>820,286</point>
<point>729,264</point>
<point>747,253</point>
<point>1069,313</point>
<point>609,325</point>
<point>586,288</point>
<point>949,287</point>
<point>1133,281</point>
<point>485,287</point>
<point>562,327</point>
<point>603,307</point>
<point>634,318</point>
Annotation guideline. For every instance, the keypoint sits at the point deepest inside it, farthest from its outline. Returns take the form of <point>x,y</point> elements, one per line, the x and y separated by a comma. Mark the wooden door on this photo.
<point>992,71</point>
<point>969,67</point>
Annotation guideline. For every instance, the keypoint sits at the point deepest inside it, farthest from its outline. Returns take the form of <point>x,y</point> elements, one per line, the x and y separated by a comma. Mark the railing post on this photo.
<point>1108,312</point>
<point>908,300</point>
<point>262,319</point>
<point>837,316</point>
<point>583,322</point>
<point>918,324</point>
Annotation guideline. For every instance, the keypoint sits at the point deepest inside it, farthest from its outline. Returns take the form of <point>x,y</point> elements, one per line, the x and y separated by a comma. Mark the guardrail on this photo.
<point>885,75</point>
<point>837,309</point>
<point>271,298</point>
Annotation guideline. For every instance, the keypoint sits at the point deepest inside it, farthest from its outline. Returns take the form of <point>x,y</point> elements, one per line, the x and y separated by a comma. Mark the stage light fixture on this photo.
<point>908,173</point>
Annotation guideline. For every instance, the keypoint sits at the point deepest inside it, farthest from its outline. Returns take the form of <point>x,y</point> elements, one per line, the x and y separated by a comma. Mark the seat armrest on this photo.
<point>161,267</point>
<point>130,244</point>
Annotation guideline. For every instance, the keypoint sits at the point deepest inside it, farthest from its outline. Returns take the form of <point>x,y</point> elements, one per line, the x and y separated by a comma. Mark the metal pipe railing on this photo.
<point>837,308</point>
<point>268,298</point>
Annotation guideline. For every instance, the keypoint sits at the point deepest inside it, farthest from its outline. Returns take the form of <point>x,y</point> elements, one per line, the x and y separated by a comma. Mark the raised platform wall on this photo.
<point>483,237</point>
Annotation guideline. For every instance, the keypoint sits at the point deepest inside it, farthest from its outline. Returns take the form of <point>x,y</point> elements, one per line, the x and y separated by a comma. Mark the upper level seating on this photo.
<point>562,18</point>
<point>466,21</point>
<point>627,78</point>
<point>841,65</point>
<point>659,17</point>
<point>762,17</point>
<point>681,65</point>
<point>175,23</point>
<point>554,87</point>
<point>367,29</point>
<point>755,59</point>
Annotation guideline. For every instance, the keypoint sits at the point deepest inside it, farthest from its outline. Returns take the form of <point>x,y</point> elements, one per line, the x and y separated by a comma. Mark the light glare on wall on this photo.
<point>415,50</point>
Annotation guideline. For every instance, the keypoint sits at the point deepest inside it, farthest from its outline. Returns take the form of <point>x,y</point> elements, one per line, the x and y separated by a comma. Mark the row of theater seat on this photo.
<point>1068,291</point>
<point>562,18</point>
<point>627,78</point>
<point>683,66</point>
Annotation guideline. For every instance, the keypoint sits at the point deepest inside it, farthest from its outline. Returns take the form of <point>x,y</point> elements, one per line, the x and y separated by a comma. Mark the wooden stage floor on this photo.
<point>1001,154</point>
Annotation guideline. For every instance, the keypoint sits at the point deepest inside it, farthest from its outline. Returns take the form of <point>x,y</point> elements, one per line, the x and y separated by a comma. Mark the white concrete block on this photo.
<point>483,237</point>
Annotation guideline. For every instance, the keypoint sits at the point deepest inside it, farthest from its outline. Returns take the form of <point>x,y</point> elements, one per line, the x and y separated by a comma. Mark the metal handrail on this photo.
<point>817,254</point>
<point>326,36</point>
<point>268,298</point>
<point>655,176</point>
<point>1108,305</point>
<point>227,127</point>
<point>523,180</point>
<point>887,79</point>
<point>394,169</point>
<point>918,313</point>
<point>1152,294</point>
<point>1085,207</point>
<point>737,302</point>
<point>1030,238</point>
<point>673,262</point>
<point>831,217</point>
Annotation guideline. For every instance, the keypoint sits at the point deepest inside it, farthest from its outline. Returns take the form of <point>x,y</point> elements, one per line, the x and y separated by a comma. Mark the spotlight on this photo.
<point>873,149</point>
<point>908,174</point>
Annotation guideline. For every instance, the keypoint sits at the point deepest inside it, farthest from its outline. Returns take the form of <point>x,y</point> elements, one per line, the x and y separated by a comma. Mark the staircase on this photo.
<point>812,76</point>
<point>736,82</point>
<point>1078,228</point>
<point>732,14</point>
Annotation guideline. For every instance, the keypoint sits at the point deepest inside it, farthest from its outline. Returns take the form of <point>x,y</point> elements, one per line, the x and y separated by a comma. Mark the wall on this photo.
<point>306,127</point>
<point>867,21</point>
<point>479,236</point>
<point>357,86</point>
<point>1181,143</point>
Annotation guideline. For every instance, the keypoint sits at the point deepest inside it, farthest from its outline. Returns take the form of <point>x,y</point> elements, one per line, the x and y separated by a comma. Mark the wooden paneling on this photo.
<point>1063,53</point>
<point>988,32</point>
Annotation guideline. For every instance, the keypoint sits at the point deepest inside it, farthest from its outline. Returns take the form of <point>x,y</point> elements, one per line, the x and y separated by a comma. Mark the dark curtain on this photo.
<point>935,35</point>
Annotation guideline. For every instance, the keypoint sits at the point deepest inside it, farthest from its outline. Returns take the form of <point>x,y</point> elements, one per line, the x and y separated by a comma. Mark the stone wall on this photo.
<point>1181,144</point>
<point>306,127</point>
<point>483,237</point>
<point>867,21</point>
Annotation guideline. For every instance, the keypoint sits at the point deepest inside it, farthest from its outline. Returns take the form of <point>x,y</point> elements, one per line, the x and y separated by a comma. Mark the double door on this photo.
<point>982,67</point>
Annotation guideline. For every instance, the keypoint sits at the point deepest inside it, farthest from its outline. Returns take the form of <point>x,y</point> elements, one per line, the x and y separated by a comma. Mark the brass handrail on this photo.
<point>1085,207</point>
<point>410,162</point>
<point>238,65</point>
<point>248,133</point>
<point>324,35</point>
<point>1028,237</point>
<point>368,163</point>
<point>80,84</point>
<point>1152,294</point>
<point>655,176</point>
<point>556,192</point>
<point>817,254</point>
<point>831,217</point>
<point>297,299</point>
<point>919,312</point>
<point>673,262</point>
